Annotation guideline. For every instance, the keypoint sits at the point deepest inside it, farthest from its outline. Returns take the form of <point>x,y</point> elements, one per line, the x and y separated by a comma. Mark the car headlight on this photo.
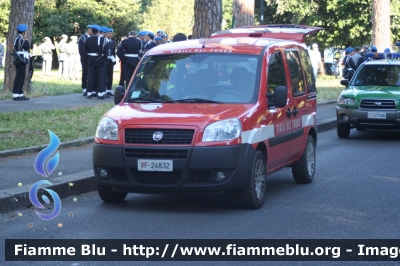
<point>223,130</point>
<point>107,129</point>
<point>346,101</point>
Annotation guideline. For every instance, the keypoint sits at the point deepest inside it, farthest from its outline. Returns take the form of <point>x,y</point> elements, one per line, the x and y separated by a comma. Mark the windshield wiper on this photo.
<point>196,100</point>
<point>150,99</point>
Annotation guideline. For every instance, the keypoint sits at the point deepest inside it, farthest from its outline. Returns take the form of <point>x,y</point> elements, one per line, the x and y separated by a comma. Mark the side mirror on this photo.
<point>344,82</point>
<point>280,96</point>
<point>119,94</point>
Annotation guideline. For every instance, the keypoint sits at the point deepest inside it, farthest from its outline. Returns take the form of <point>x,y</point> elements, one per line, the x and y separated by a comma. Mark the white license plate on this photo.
<point>155,165</point>
<point>377,115</point>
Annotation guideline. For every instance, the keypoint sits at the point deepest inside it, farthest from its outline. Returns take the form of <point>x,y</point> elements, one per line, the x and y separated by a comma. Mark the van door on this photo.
<point>279,144</point>
<point>297,103</point>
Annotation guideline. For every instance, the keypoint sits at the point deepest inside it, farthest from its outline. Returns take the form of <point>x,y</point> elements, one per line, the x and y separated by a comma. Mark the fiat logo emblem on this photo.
<point>157,136</point>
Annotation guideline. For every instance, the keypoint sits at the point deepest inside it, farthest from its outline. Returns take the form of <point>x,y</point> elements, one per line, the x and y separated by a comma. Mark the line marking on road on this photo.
<point>386,177</point>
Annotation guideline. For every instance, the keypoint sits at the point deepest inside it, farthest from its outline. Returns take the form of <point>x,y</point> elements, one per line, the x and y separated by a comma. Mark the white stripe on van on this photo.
<point>268,131</point>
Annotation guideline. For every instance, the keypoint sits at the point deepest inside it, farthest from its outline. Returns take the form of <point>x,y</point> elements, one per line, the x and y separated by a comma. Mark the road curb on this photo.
<point>326,125</point>
<point>75,184</point>
<point>33,149</point>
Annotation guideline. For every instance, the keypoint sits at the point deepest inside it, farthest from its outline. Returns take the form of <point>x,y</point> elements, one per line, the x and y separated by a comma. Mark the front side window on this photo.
<point>296,72</point>
<point>219,78</point>
<point>378,75</point>
<point>276,72</point>
<point>308,71</point>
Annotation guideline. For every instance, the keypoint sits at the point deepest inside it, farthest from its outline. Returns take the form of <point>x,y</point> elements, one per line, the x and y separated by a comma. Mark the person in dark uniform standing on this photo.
<point>95,56</point>
<point>150,42</point>
<point>142,38</point>
<point>111,61</point>
<point>21,48</point>
<point>128,52</point>
<point>84,63</point>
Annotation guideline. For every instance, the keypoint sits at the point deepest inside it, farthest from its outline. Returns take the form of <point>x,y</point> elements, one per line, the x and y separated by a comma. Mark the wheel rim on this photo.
<point>259,179</point>
<point>310,159</point>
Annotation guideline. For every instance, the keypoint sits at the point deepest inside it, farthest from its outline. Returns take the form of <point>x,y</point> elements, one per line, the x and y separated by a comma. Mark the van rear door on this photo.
<point>276,31</point>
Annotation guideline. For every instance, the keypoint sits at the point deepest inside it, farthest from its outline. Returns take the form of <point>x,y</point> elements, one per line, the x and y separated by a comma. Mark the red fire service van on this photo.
<point>212,115</point>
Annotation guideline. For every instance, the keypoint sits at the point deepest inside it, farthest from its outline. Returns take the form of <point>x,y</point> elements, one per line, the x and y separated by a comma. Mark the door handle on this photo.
<point>295,111</point>
<point>289,113</point>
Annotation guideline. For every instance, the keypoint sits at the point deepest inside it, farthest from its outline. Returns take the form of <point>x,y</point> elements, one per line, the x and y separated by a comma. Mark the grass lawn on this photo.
<point>26,129</point>
<point>328,88</point>
<point>31,128</point>
<point>49,86</point>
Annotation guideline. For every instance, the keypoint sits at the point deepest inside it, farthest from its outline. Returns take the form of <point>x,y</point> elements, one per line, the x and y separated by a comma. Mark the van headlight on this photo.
<point>223,130</point>
<point>107,129</point>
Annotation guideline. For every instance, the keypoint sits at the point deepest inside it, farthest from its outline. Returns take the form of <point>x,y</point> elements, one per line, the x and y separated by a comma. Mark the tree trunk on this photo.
<point>243,12</point>
<point>381,24</point>
<point>21,13</point>
<point>207,18</point>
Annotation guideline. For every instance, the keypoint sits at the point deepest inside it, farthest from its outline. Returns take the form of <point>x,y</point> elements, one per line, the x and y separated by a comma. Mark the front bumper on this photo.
<point>358,118</point>
<point>194,168</point>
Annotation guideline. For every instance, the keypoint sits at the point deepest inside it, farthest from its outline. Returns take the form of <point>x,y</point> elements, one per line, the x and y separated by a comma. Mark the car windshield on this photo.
<point>378,75</point>
<point>201,78</point>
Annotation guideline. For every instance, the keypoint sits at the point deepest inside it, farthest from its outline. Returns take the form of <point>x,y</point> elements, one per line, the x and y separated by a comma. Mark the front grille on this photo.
<point>170,136</point>
<point>145,177</point>
<point>378,104</point>
<point>155,154</point>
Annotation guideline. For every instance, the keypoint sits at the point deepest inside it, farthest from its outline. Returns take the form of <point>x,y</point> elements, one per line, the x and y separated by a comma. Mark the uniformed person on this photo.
<point>73,58</point>
<point>121,73</point>
<point>63,57</point>
<point>21,57</point>
<point>46,49</point>
<point>158,40</point>
<point>142,38</point>
<point>150,42</point>
<point>128,53</point>
<point>111,61</point>
<point>164,38</point>
<point>159,33</point>
<point>84,63</point>
<point>95,56</point>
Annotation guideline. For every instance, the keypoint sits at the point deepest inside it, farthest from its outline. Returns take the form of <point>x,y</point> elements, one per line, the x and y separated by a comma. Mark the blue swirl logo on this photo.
<point>44,156</point>
<point>45,164</point>
<point>35,201</point>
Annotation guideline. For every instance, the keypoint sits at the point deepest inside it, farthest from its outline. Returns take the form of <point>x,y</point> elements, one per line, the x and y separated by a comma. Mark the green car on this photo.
<point>371,99</point>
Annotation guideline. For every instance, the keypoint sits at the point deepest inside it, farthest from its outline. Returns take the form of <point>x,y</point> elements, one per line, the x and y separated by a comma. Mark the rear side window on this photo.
<point>308,70</point>
<point>276,73</point>
<point>296,72</point>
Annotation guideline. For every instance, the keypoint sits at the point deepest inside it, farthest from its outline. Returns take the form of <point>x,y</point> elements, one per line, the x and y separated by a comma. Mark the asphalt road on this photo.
<point>354,195</point>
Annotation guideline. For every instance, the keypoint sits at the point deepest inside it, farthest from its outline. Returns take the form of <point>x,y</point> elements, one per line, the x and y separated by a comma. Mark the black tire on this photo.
<point>343,130</point>
<point>253,195</point>
<point>304,170</point>
<point>108,195</point>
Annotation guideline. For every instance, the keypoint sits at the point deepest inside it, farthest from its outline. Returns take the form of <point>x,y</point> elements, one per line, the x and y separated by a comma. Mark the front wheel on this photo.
<point>304,170</point>
<point>253,195</point>
<point>343,130</point>
<point>108,195</point>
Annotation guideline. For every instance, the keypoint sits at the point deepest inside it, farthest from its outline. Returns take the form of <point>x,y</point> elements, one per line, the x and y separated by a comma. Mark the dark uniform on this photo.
<point>21,47</point>
<point>128,53</point>
<point>150,42</point>
<point>111,61</point>
<point>349,66</point>
<point>95,56</point>
<point>84,63</point>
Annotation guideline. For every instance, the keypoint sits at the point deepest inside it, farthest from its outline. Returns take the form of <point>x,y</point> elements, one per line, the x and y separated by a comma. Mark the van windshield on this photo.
<point>201,77</point>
